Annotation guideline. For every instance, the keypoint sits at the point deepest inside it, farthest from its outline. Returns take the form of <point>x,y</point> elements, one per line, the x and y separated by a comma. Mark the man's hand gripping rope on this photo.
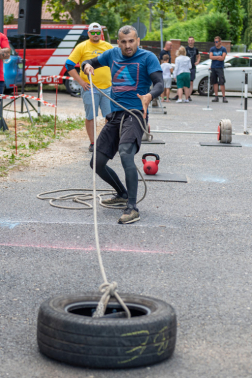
<point>145,99</point>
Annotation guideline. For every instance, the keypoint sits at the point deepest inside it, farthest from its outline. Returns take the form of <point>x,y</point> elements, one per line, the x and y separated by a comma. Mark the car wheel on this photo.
<point>67,332</point>
<point>203,87</point>
<point>72,86</point>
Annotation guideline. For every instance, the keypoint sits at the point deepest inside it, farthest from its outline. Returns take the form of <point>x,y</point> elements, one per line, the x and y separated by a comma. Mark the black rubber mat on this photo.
<point>218,144</point>
<point>160,176</point>
<point>154,141</point>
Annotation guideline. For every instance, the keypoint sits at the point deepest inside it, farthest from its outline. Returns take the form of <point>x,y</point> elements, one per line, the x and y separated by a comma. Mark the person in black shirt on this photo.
<point>166,51</point>
<point>193,53</point>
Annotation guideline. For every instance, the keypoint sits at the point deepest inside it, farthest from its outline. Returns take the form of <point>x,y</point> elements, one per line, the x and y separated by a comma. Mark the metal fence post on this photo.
<point>246,103</point>
<point>39,91</point>
<point>208,92</point>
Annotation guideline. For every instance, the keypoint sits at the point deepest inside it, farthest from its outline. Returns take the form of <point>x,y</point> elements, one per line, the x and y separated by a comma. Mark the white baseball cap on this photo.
<point>94,27</point>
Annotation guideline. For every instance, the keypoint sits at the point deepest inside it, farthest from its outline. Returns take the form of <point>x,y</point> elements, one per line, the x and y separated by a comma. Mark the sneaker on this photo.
<point>224,99</point>
<point>185,100</point>
<point>216,99</point>
<point>189,98</point>
<point>154,102</point>
<point>91,147</point>
<point>74,94</point>
<point>116,200</point>
<point>175,98</point>
<point>179,101</point>
<point>130,215</point>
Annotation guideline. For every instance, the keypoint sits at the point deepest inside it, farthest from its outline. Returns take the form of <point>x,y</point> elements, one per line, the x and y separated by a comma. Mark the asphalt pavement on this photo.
<point>191,248</point>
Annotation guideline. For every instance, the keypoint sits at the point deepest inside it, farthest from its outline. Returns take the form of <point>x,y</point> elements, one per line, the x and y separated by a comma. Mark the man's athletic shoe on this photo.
<point>175,98</point>
<point>224,99</point>
<point>185,100</point>
<point>189,98</point>
<point>179,100</point>
<point>91,147</point>
<point>74,94</point>
<point>115,200</point>
<point>216,99</point>
<point>130,215</point>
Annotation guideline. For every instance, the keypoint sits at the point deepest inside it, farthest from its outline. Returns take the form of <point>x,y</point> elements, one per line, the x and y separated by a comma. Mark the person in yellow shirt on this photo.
<point>86,50</point>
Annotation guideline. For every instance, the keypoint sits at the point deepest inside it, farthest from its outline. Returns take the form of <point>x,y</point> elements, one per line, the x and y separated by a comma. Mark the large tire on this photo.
<point>203,87</point>
<point>72,86</point>
<point>66,331</point>
<point>225,131</point>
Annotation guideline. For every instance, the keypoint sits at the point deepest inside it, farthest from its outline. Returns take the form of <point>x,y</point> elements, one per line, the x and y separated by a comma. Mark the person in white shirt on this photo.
<point>167,70</point>
<point>182,73</point>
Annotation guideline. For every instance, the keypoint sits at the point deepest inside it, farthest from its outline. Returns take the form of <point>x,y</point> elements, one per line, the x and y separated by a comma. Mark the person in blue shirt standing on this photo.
<point>218,54</point>
<point>133,70</point>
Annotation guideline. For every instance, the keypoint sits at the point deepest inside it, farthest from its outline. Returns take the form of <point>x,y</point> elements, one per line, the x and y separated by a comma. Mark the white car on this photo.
<point>235,66</point>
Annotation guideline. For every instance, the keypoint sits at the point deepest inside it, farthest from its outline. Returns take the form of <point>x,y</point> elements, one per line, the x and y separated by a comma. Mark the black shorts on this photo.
<point>217,73</point>
<point>193,74</point>
<point>108,140</point>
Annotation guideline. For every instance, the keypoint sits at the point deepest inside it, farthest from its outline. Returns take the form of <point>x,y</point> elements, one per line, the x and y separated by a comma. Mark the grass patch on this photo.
<point>31,138</point>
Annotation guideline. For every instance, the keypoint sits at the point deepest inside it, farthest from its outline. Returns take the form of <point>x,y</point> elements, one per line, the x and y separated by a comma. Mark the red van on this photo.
<point>50,50</point>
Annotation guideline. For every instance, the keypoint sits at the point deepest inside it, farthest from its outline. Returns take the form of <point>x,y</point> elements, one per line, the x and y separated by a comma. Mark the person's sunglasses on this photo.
<point>216,41</point>
<point>97,33</point>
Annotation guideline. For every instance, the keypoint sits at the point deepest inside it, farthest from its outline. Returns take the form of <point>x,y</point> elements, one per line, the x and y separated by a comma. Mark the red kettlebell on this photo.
<point>150,167</point>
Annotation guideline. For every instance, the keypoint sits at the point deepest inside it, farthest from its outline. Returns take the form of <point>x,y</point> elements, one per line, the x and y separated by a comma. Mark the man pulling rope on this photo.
<point>132,70</point>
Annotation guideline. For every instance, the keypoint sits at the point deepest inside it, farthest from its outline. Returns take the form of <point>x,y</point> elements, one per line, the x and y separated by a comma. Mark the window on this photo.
<point>239,62</point>
<point>53,37</point>
<point>48,38</point>
<point>83,37</point>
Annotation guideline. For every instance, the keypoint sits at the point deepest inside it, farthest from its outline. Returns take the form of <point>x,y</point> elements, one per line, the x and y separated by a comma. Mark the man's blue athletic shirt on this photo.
<point>130,75</point>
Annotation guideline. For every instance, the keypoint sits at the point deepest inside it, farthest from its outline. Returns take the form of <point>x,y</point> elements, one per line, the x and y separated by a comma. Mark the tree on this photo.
<point>248,31</point>
<point>8,19</point>
<point>181,7</point>
<point>244,4</point>
<point>233,11</point>
<point>216,24</point>
<point>126,9</point>
<point>103,15</point>
<point>76,9</point>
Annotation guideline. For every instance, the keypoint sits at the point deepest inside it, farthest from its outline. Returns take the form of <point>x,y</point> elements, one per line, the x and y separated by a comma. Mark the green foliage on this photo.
<point>244,11</point>
<point>169,19</point>
<point>216,24</point>
<point>233,11</point>
<point>203,28</point>
<point>181,30</point>
<point>248,31</point>
<point>125,9</point>
<point>8,19</point>
<point>104,16</point>
<point>181,7</point>
<point>59,8</point>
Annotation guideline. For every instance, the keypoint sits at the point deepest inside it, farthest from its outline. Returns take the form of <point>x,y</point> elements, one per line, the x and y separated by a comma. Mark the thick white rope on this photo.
<point>108,289</point>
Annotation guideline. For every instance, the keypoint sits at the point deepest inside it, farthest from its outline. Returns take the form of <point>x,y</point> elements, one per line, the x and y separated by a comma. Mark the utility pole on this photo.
<point>161,33</point>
